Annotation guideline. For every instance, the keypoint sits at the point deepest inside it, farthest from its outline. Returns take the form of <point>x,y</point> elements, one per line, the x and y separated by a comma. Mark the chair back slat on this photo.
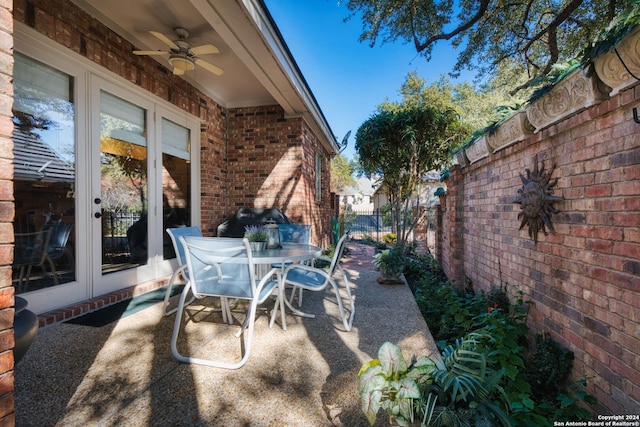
<point>175,233</point>
<point>31,248</point>
<point>295,233</point>
<point>58,237</point>
<point>337,255</point>
<point>220,266</point>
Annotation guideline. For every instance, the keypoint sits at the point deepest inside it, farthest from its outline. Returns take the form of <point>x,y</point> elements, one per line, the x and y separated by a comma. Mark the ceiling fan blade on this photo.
<point>209,67</point>
<point>150,52</point>
<point>204,49</point>
<point>165,39</point>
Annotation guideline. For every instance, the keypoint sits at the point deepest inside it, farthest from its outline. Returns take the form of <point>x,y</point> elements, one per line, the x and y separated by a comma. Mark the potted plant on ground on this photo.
<point>257,236</point>
<point>390,262</point>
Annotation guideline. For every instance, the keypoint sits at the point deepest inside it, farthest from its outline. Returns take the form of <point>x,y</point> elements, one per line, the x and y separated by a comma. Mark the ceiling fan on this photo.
<point>182,56</point>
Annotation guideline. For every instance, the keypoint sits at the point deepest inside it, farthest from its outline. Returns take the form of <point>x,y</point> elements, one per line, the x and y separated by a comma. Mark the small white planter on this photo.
<point>570,95</point>
<point>258,246</point>
<point>612,71</point>
<point>515,129</point>
<point>477,150</point>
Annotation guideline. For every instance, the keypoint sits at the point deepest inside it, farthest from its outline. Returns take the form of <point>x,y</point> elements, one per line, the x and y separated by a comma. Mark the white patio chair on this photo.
<point>31,251</point>
<point>316,279</point>
<point>174,234</point>
<point>223,267</point>
<point>295,233</point>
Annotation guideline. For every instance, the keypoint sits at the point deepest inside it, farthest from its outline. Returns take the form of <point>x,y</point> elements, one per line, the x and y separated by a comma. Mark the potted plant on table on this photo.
<point>257,236</point>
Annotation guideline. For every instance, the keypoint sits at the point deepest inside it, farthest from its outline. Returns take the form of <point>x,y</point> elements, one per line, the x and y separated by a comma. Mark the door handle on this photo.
<point>97,214</point>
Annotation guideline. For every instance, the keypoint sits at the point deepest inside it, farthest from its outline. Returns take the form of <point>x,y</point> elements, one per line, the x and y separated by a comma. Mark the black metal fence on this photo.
<point>366,224</point>
<point>375,224</point>
<point>114,232</point>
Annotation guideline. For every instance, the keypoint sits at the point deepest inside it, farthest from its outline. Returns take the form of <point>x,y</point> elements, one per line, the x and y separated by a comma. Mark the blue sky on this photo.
<point>348,78</point>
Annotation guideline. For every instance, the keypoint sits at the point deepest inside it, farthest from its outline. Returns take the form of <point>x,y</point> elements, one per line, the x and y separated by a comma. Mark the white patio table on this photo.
<point>290,252</point>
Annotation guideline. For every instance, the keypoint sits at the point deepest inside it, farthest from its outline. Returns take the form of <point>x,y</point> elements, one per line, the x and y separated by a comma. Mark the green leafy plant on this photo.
<point>452,390</point>
<point>499,319</point>
<point>390,262</point>
<point>611,36</point>
<point>256,233</point>
<point>548,367</point>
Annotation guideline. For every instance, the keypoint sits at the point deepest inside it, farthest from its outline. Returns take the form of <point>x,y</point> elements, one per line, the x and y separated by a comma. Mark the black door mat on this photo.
<point>121,309</point>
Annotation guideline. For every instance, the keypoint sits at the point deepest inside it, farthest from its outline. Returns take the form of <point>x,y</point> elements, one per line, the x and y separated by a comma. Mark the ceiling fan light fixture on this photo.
<point>182,62</point>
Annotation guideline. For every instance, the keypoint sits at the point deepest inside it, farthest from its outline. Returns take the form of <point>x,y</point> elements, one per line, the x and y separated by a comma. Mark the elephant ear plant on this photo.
<point>388,382</point>
<point>458,389</point>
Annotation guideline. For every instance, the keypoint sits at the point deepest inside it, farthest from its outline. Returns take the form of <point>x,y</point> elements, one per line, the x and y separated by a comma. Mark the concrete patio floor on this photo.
<point>124,374</point>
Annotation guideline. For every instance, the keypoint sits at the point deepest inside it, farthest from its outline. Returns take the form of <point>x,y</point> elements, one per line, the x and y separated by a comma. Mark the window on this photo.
<point>318,177</point>
<point>176,180</point>
<point>44,150</point>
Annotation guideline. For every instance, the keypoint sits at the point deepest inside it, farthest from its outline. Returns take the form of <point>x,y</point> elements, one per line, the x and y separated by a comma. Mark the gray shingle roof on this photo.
<point>34,160</point>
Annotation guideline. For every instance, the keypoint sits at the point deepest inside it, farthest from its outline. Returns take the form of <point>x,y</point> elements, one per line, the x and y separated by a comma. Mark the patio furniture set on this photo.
<point>238,278</point>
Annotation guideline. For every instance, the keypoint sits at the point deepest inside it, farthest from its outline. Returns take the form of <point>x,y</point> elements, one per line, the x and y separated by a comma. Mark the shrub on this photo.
<point>548,367</point>
<point>533,383</point>
<point>390,238</point>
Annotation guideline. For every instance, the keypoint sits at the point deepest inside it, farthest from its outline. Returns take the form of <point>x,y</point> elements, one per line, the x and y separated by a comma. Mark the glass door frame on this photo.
<point>156,266</point>
<point>89,78</point>
<point>105,283</point>
<point>38,47</point>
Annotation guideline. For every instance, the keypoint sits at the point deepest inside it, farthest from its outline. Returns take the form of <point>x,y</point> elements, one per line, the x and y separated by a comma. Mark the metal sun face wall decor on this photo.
<point>536,200</point>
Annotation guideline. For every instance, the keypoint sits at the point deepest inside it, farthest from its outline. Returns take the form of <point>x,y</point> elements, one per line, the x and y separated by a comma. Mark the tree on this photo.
<point>341,173</point>
<point>477,105</point>
<point>400,146</point>
<point>535,34</point>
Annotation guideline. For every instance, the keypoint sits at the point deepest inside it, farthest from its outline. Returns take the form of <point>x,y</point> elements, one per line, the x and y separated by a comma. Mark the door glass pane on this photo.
<point>44,176</point>
<point>123,184</point>
<point>176,180</point>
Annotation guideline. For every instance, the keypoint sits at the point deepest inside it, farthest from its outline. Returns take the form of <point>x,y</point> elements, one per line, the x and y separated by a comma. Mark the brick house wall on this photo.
<point>584,280</point>
<point>241,149</point>
<point>7,415</point>
<point>245,153</point>
<point>271,163</point>
<point>72,27</point>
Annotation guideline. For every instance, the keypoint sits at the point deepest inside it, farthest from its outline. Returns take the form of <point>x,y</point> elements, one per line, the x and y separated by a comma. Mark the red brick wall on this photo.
<point>7,415</point>
<point>271,163</point>
<point>584,281</point>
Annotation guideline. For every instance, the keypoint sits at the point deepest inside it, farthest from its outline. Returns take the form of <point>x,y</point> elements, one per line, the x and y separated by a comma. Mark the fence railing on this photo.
<point>375,224</point>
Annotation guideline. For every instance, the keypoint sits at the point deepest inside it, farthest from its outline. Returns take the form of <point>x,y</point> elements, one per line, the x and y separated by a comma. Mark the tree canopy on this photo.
<point>477,105</point>
<point>341,173</point>
<point>401,145</point>
<point>533,34</point>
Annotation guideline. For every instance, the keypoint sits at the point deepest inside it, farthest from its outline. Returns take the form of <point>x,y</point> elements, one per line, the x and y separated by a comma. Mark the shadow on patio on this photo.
<point>124,373</point>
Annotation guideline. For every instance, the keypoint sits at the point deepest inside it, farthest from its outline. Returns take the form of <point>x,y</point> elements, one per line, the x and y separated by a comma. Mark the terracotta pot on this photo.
<point>514,129</point>
<point>478,150</point>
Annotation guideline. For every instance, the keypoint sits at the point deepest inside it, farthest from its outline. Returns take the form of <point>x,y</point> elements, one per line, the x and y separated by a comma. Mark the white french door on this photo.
<point>142,183</point>
<point>104,159</point>
<point>122,188</point>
